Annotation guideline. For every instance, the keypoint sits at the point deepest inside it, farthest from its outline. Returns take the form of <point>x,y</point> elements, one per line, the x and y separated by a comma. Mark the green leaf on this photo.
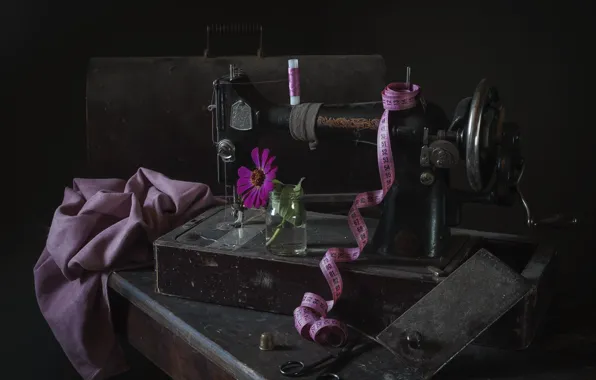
<point>290,207</point>
<point>298,188</point>
<point>301,211</point>
<point>286,211</point>
<point>277,186</point>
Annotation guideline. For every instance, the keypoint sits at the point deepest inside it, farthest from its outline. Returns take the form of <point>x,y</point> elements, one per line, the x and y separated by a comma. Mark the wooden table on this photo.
<point>199,341</point>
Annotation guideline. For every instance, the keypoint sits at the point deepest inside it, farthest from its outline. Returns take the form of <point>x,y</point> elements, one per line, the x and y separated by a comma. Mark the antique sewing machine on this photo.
<point>420,208</point>
<point>220,256</point>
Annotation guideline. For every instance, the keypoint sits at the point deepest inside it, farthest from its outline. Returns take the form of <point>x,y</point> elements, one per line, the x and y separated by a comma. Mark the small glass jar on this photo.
<point>285,232</point>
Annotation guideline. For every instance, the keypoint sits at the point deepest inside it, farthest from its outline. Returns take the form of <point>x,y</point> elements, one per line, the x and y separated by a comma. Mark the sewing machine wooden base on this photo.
<point>197,261</point>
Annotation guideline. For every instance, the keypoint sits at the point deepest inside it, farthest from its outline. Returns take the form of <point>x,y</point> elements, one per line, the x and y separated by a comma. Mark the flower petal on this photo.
<point>249,198</point>
<point>257,198</point>
<point>241,188</point>
<point>255,157</point>
<point>272,174</point>
<point>267,187</point>
<point>264,157</point>
<point>242,181</point>
<point>244,172</point>
<point>262,197</point>
<point>267,166</point>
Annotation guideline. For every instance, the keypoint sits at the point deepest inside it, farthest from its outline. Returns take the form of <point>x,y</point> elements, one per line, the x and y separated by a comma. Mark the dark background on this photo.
<point>539,55</point>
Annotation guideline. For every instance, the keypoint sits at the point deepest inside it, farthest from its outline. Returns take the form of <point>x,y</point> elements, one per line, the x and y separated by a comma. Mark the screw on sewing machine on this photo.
<point>427,178</point>
<point>414,340</point>
<point>442,158</point>
<point>443,154</point>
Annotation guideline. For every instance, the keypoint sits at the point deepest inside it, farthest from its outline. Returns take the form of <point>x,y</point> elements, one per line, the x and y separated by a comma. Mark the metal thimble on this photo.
<point>266,342</point>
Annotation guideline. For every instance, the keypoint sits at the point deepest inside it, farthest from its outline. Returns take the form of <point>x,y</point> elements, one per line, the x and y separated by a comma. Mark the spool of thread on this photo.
<point>294,81</point>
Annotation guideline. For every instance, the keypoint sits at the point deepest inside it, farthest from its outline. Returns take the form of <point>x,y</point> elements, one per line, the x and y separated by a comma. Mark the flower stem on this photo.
<point>275,233</point>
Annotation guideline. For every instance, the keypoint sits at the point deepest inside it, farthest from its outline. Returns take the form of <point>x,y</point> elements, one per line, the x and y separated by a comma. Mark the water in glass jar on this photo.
<point>285,239</point>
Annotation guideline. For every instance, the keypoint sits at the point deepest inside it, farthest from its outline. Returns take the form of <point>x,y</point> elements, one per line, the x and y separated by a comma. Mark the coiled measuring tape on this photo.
<point>310,318</point>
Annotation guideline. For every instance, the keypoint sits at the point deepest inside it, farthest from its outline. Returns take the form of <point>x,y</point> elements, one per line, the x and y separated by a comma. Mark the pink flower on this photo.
<point>254,186</point>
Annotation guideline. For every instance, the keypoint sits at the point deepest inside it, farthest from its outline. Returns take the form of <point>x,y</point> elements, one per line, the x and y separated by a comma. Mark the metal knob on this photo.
<point>226,150</point>
<point>414,340</point>
<point>443,154</point>
<point>427,178</point>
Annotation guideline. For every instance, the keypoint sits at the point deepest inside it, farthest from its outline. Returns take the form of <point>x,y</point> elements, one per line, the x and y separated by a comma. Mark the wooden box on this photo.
<point>199,262</point>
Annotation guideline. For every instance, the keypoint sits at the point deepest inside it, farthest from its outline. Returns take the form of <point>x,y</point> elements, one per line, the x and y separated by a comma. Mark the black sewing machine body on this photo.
<point>420,208</point>
<point>415,245</point>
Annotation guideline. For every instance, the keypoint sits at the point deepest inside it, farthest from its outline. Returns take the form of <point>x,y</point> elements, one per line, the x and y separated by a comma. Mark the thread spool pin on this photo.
<point>294,81</point>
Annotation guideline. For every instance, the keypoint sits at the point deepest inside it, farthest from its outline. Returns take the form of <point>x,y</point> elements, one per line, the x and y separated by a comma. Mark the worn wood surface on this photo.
<point>198,339</point>
<point>197,261</point>
<point>169,351</point>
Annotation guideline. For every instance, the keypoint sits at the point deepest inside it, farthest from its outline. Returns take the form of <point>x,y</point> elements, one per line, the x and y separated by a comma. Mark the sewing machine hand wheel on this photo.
<point>492,151</point>
<point>481,135</point>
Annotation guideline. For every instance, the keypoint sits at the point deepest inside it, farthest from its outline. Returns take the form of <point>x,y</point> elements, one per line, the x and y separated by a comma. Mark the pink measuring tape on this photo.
<point>310,317</point>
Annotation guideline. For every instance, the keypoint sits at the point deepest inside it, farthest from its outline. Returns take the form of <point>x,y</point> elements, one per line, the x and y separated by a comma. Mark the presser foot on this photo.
<point>238,217</point>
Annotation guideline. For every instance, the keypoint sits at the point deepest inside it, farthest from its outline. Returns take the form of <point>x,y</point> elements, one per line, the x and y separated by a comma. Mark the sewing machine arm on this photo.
<point>425,151</point>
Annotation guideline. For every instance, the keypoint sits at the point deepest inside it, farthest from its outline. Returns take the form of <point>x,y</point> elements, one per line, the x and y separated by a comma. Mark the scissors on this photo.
<point>298,369</point>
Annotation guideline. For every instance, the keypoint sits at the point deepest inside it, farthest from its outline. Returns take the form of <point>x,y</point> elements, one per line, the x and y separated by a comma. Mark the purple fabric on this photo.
<point>104,224</point>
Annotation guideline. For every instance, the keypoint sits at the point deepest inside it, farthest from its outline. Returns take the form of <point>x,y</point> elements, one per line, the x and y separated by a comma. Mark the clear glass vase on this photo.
<point>285,233</point>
